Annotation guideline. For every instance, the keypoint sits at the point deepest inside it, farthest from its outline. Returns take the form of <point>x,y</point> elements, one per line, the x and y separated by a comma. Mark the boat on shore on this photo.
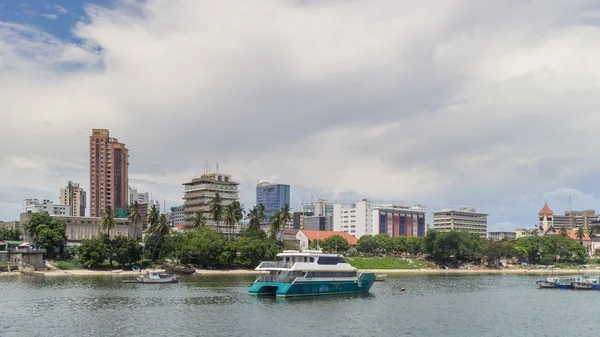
<point>179,269</point>
<point>156,277</point>
<point>310,272</point>
<point>380,278</point>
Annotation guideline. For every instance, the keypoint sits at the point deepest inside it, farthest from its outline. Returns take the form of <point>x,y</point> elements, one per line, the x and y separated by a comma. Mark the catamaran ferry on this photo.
<point>310,272</point>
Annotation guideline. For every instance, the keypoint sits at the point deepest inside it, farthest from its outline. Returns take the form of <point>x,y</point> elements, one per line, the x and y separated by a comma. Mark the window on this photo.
<point>330,260</point>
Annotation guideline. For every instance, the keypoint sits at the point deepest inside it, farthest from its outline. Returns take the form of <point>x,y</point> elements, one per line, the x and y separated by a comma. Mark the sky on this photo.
<point>490,104</point>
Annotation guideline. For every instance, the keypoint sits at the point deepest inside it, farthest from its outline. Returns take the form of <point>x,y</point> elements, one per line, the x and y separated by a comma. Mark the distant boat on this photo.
<point>310,273</point>
<point>179,269</point>
<point>157,277</point>
<point>380,278</point>
<point>548,283</point>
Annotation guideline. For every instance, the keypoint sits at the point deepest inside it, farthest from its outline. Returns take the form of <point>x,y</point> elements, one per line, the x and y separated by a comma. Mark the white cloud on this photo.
<point>61,9</point>
<point>460,103</point>
<point>50,16</point>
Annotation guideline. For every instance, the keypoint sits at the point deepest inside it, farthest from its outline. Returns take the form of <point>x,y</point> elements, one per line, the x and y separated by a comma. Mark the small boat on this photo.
<point>179,269</point>
<point>380,278</point>
<point>157,277</point>
<point>548,283</point>
<point>310,272</point>
<point>582,286</point>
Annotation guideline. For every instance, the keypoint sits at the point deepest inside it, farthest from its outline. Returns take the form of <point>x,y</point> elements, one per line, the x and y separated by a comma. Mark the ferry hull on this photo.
<point>564,286</point>
<point>314,287</point>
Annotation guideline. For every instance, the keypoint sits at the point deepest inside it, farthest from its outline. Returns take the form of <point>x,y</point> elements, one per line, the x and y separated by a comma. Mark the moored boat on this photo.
<point>548,283</point>
<point>582,286</point>
<point>179,269</point>
<point>157,277</point>
<point>381,277</point>
<point>310,273</point>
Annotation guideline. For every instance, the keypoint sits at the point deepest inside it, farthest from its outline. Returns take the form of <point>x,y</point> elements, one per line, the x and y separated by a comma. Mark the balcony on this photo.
<point>276,278</point>
<point>274,264</point>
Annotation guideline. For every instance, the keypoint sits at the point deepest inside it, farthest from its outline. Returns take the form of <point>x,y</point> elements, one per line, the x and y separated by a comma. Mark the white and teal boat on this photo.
<point>310,272</point>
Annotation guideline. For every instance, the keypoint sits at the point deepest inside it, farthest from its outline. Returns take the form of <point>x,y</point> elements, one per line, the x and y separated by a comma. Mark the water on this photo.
<point>492,305</point>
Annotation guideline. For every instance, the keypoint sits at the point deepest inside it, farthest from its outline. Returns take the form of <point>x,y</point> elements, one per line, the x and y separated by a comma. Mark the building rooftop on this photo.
<point>322,235</point>
<point>546,210</point>
<point>212,178</point>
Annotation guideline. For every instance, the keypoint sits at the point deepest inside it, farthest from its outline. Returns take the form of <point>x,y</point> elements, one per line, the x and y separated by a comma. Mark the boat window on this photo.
<point>312,259</point>
<point>287,259</point>
<point>305,259</point>
<point>314,274</point>
<point>329,260</point>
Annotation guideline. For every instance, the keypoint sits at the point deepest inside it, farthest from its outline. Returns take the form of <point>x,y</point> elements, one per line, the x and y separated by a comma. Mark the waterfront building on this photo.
<point>272,196</point>
<point>75,197</point>
<point>570,219</point>
<point>109,172</point>
<point>497,236</point>
<point>199,192</point>
<point>368,218</point>
<point>177,215</point>
<point>45,206</point>
<point>465,219</point>
<point>304,237</point>
<point>399,220</point>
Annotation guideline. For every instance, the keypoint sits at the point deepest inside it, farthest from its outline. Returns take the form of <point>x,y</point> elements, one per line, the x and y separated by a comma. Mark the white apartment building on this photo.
<point>355,219</point>
<point>140,197</point>
<point>199,192</point>
<point>465,219</point>
<point>318,208</point>
<point>45,206</point>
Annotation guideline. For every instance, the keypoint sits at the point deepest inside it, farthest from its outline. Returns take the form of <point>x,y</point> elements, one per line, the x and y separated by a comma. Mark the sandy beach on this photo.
<point>516,271</point>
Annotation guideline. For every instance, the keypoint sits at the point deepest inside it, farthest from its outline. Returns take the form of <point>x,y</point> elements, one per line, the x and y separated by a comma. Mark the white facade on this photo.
<point>355,219</point>
<point>141,197</point>
<point>319,208</point>
<point>465,219</point>
<point>74,196</point>
<point>45,206</point>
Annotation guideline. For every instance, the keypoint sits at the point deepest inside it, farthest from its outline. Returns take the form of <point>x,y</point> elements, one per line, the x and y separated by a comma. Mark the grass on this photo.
<point>388,263</point>
<point>68,264</point>
<point>5,263</point>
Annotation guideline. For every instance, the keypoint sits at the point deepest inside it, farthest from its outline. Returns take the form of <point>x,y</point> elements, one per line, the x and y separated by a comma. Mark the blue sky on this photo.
<point>443,104</point>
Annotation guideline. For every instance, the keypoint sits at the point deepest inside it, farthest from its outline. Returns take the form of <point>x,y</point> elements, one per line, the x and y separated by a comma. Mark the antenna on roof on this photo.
<point>217,167</point>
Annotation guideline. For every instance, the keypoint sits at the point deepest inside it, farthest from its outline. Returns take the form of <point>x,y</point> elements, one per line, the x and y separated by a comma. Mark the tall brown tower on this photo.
<point>109,172</point>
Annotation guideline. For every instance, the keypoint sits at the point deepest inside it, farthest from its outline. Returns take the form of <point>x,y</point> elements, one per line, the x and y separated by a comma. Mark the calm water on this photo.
<point>220,306</point>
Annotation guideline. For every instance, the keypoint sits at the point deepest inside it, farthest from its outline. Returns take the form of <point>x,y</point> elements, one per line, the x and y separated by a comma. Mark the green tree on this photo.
<point>276,224</point>
<point>580,234</point>
<point>399,244</point>
<point>252,251</point>
<point>125,251</point>
<point>47,231</point>
<point>206,246</point>
<point>415,245</point>
<point>367,244</point>
<point>234,213</point>
<point>159,231</point>
<point>286,215</point>
<point>152,217</point>
<point>335,243</point>
<point>216,209</point>
<point>107,220</point>
<point>563,231</point>
<point>10,234</point>
<point>255,217</point>
<point>430,241</point>
<point>591,232</point>
<point>93,252</point>
<point>135,217</point>
<point>199,220</point>
<point>385,242</point>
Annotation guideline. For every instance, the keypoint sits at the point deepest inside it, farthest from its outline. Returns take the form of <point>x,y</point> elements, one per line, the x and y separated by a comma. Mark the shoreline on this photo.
<point>200,272</point>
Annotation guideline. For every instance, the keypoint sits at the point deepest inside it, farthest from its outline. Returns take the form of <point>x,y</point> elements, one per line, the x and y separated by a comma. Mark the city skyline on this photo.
<point>378,104</point>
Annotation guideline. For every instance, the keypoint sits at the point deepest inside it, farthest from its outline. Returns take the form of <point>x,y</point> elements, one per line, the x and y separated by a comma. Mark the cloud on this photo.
<point>453,104</point>
<point>50,16</point>
<point>61,9</point>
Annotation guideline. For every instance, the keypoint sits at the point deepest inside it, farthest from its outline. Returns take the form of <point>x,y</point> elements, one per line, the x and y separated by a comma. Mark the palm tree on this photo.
<point>591,232</point>
<point>563,231</point>
<point>135,217</point>
<point>262,212</point>
<point>152,217</point>
<point>286,215</point>
<point>230,218</point>
<point>255,216</point>
<point>160,230</point>
<point>107,220</point>
<point>216,209</point>
<point>580,234</point>
<point>276,224</point>
<point>199,220</point>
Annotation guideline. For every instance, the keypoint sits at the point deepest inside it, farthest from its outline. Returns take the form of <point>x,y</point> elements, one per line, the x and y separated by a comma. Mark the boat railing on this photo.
<point>274,264</point>
<point>276,278</point>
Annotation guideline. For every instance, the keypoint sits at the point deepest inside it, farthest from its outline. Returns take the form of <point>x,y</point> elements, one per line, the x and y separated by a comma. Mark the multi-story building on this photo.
<point>570,219</point>
<point>45,206</point>
<point>74,196</point>
<point>177,215</point>
<point>320,222</point>
<point>497,236</point>
<point>399,220</point>
<point>272,196</point>
<point>298,219</point>
<point>109,172</point>
<point>369,218</point>
<point>140,197</point>
<point>199,192</point>
<point>521,232</point>
<point>320,207</point>
<point>465,219</point>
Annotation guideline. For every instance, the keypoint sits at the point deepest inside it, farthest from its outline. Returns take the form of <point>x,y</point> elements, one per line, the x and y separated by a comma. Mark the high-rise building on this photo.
<point>318,208</point>
<point>368,218</point>
<point>45,206</point>
<point>466,219</point>
<point>273,196</point>
<point>109,172</point>
<point>571,218</point>
<point>199,192</point>
<point>74,196</point>
<point>140,197</point>
<point>177,215</point>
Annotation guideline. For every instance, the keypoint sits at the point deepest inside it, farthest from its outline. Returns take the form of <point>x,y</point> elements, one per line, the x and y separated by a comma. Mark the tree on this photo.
<point>125,251</point>
<point>399,244</point>
<point>93,252</point>
<point>563,231</point>
<point>367,244</point>
<point>216,209</point>
<point>286,215</point>
<point>234,213</point>
<point>385,242</point>
<point>276,224</point>
<point>10,234</point>
<point>255,217</point>
<point>251,251</point>
<point>160,230</point>
<point>199,220</point>
<point>591,232</point>
<point>107,220</point>
<point>135,217</point>
<point>152,217</point>
<point>335,243</point>
<point>47,231</point>
<point>415,245</point>
<point>580,234</point>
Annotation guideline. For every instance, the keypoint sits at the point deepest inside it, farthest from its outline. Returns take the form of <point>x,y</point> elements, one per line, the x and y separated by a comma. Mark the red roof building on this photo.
<point>546,210</point>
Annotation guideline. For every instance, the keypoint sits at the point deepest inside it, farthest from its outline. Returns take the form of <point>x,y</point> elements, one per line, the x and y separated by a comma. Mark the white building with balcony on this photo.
<point>200,191</point>
<point>45,206</point>
<point>465,219</point>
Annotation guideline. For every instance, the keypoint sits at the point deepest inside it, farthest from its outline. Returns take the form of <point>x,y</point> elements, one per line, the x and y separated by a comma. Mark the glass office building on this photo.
<point>273,196</point>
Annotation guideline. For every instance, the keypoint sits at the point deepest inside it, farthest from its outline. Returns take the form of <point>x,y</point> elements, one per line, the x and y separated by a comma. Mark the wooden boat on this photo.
<point>156,277</point>
<point>380,278</point>
<point>179,269</point>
